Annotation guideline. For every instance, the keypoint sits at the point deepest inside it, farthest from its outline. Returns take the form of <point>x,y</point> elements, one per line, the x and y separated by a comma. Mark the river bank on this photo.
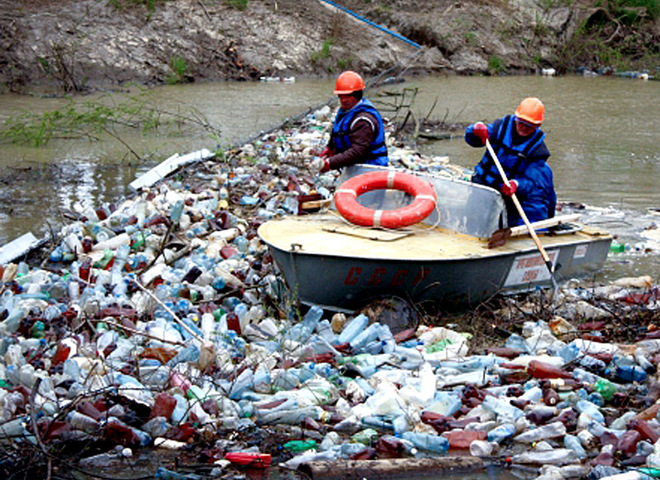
<point>162,323</point>
<point>81,45</point>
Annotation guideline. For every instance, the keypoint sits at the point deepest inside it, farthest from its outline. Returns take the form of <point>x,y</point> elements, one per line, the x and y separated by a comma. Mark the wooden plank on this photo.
<point>550,222</point>
<point>391,468</point>
<point>315,204</point>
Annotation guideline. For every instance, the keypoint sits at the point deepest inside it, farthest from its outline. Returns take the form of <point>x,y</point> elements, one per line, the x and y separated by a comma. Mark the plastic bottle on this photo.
<point>180,412</point>
<point>647,432</point>
<point>592,364</point>
<point>630,475</point>
<point>502,408</point>
<point>364,337</point>
<point>627,443</point>
<point>427,441</point>
<point>177,211</point>
<point>551,430</point>
<point>311,456</point>
<point>352,328</point>
<point>582,375</point>
<point>606,388</point>
<point>117,431</point>
<point>13,320</point>
<point>302,331</point>
<point>559,456</point>
<point>540,369</point>
<point>573,443</point>
<point>588,408</point>
<point>244,382</point>
<point>324,330</point>
<point>293,417</point>
<point>83,422</point>
<point>386,338</point>
<point>481,448</point>
<point>300,445</point>
<point>502,432</point>
<point>617,247</point>
<point>631,373</point>
<point>164,405</point>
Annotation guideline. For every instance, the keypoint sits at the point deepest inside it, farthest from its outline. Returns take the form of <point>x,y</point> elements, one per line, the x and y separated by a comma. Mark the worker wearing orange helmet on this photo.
<point>358,134</point>
<point>520,147</point>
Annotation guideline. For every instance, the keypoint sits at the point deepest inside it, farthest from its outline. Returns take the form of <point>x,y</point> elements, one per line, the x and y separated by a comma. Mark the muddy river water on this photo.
<point>603,134</point>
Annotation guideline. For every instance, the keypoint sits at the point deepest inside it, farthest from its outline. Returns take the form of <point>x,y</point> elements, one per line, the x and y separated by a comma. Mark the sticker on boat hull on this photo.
<point>529,269</point>
<point>581,251</point>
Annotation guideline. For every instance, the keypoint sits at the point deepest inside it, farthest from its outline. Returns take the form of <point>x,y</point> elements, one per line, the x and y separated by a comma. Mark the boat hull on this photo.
<point>337,274</point>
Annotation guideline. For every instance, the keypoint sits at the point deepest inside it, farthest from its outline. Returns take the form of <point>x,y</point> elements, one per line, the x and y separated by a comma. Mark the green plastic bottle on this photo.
<point>365,437</point>
<point>606,388</point>
<point>650,471</point>
<point>617,247</point>
<point>300,445</point>
<point>37,330</point>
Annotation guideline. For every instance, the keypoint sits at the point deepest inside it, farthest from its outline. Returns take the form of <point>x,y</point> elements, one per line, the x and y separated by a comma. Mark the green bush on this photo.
<point>237,4</point>
<point>496,65</point>
<point>150,4</point>
<point>344,63</point>
<point>179,68</point>
<point>324,53</point>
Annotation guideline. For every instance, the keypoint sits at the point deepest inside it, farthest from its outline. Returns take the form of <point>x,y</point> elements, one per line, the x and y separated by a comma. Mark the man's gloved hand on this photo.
<point>326,153</point>
<point>320,165</point>
<point>511,189</point>
<point>481,131</point>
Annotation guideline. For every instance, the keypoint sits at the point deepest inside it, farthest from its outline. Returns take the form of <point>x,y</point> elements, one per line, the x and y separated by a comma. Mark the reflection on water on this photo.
<point>603,134</point>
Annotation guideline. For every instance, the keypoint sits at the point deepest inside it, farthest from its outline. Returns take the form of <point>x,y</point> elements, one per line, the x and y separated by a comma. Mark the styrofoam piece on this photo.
<point>19,246</point>
<point>168,166</point>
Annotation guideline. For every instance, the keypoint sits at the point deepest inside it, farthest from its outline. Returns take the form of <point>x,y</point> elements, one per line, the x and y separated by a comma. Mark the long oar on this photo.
<point>521,212</point>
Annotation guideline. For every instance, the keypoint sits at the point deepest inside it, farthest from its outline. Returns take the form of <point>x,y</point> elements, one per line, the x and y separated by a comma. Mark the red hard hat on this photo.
<point>531,110</point>
<point>348,82</point>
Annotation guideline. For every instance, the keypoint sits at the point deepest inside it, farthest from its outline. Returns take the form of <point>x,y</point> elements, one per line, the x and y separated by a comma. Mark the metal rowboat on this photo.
<point>443,262</point>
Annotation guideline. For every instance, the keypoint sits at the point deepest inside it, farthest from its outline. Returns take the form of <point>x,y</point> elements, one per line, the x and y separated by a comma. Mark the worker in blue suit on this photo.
<point>519,144</point>
<point>358,133</point>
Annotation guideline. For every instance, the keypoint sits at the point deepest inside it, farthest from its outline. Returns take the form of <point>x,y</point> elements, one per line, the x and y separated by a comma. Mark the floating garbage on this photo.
<point>160,324</point>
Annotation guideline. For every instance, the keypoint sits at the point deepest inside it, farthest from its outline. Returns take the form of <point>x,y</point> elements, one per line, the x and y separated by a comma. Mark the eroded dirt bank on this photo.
<point>73,45</point>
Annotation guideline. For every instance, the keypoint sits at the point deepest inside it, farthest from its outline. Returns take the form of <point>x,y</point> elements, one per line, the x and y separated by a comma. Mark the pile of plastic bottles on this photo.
<point>162,323</point>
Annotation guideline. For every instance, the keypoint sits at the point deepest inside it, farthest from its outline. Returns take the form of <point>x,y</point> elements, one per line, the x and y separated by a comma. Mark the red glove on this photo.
<point>511,189</point>
<point>321,165</point>
<point>327,152</point>
<point>481,131</point>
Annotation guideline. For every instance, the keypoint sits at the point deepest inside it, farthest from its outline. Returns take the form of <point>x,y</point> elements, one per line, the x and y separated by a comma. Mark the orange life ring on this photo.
<point>421,207</point>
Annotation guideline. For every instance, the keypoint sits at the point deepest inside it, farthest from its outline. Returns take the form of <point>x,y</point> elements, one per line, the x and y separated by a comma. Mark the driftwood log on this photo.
<point>389,468</point>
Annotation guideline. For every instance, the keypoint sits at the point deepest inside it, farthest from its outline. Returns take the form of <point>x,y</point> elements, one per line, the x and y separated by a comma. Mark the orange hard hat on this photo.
<point>531,110</point>
<point>348,82</point>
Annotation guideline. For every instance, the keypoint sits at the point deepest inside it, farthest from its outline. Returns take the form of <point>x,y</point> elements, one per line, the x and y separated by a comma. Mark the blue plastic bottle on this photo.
<point>502,432</point>
<point>386,338</point>
<point>352,328</point>
<point>427,441</point>
<point>588,408</point>
<point>631,373</point>
<point>573,443</point>
<point>301,332</point>
<point>365,337</point>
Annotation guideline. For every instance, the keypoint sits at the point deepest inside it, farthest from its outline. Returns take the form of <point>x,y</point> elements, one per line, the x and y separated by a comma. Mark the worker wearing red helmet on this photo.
<point>358,134</point>
<point>520,147</point>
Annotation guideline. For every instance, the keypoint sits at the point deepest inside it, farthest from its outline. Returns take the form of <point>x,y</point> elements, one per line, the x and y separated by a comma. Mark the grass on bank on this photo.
<point>97,119</point>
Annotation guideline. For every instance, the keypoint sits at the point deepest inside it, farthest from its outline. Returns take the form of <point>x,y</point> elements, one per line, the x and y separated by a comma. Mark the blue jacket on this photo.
<point>523,159</point>
<point>341,141</point>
